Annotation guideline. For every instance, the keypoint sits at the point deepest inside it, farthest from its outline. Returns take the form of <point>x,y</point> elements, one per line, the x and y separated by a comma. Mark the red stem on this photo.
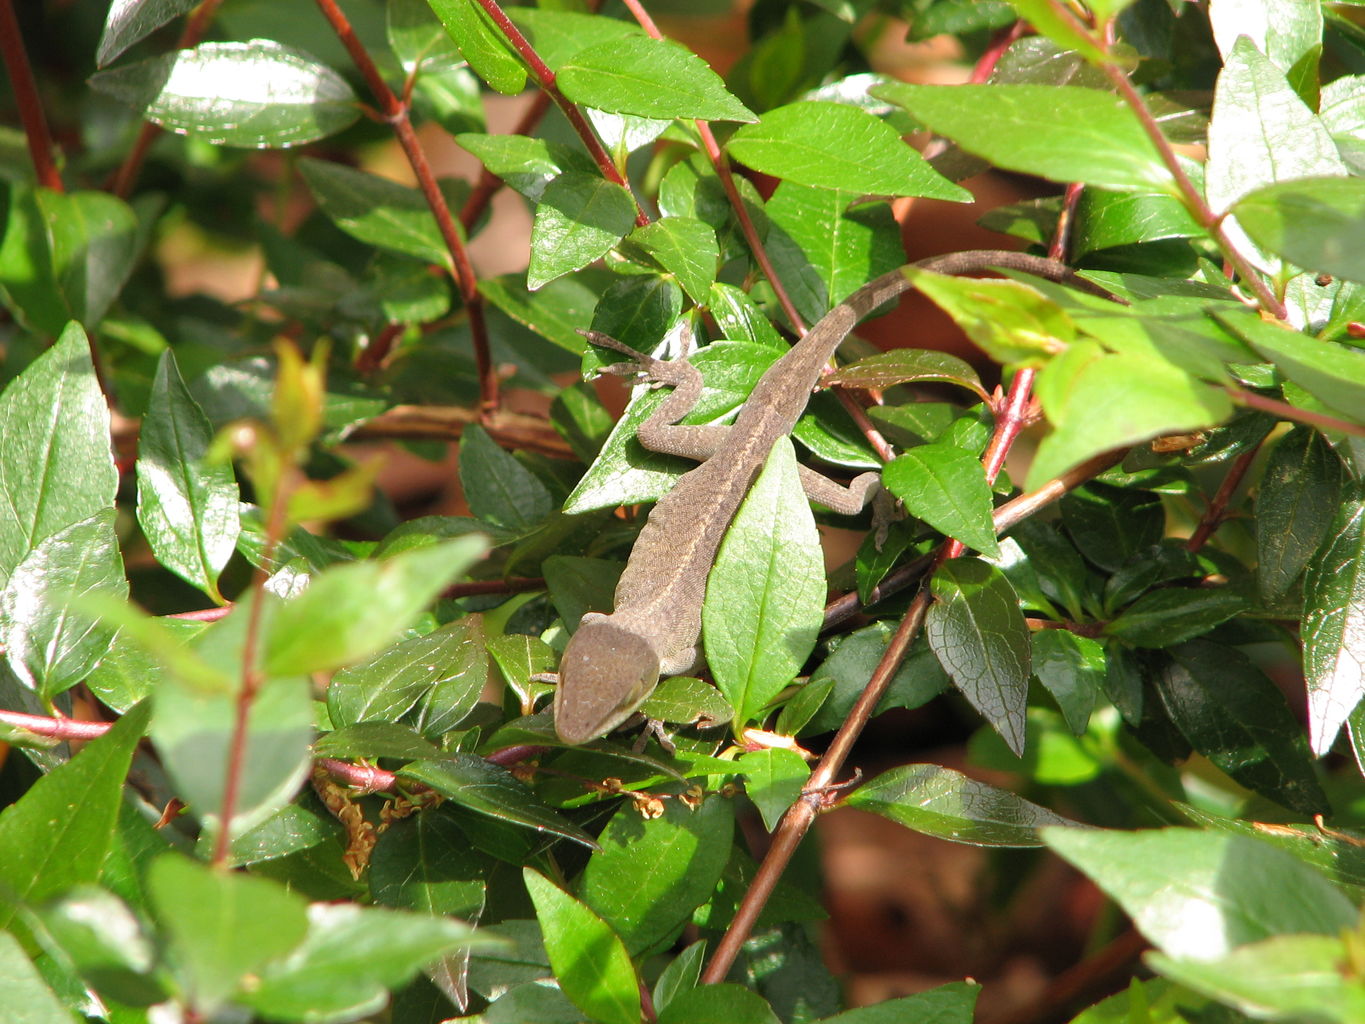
<point>546,78</point>
<point>1189,195</point>
<point>1216,513</point>
<point>58,728</point>
<point>1289,412</point>
<point>252,678</point>
<point>397,114</point>
<point>26,97</point>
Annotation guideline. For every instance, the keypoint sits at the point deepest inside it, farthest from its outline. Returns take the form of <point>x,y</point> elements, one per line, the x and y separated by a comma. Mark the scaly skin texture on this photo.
<point>613,662</point>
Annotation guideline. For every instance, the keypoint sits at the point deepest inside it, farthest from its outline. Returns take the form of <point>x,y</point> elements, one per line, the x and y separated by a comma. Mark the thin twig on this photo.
<point>799,817</point>
<point>1190,196</point>
<point>1013,512</point>
<point>252,678</point>
<point>57,728</point>
<point>1216,513</point>
<point>1293,413</point>
<point>397,113</point>
<point>26,98</point>
<point>546,79</point>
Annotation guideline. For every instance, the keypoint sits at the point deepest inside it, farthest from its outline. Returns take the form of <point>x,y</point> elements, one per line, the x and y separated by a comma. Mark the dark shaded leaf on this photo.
<point>941,802</point>
<point>977,631</point>
<point>1233,715</point>
<point>1333,628</point>
<point>1299,495</point>
<point>490,790</point>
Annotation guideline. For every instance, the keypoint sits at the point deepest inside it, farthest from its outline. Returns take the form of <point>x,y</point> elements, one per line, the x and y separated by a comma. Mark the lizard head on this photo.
<point>606,673</point>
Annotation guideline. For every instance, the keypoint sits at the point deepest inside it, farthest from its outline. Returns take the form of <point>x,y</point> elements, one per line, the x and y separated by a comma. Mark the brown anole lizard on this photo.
<point>613,662</point>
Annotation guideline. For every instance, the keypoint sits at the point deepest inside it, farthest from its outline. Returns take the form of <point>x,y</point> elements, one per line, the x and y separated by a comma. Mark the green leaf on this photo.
<point>1011,322</point>
<point>450,661</point>
<point>193,725</point>
<point>425,863</point>
<point>723,1003</point>
<point>1065,31</point>
<point>825,701</point>
<point>1288,32</point>
<point>222,927</point>
<point>1336,856</point>
<point>56,468</point>
<point>1286,977</point>
<point>1199,895</point>
<point>977,631</point>
<point>497,487</point>
<point>580,217</point>
<point>1333,628</point>
<point>833,145</point>
<point>941,802</point>
<point>1071,668</point>
<point>687,249</point>
<point>419,40</point>
<point>946,487</point>
<point>739,318</point>
<point>773,779</point>
<point>684,700</point>
<point>351,611</point>
<point>491,790</point>
<point>66,256</point>
<point>1111,526</point>
<point>953,1003</point>
<point>651,873</point>
<point>523,163</point>
<point>50,645</point>
<point>1106,220</point>
<point>1171,615</point>
<point>348,960</point>
<point>1330,372</point>
<point>589,961</point>
<point>1063,133</point>
<point>23,990</point>
<point>681,975</point>
<point>555,311</point>
<point>128,21</point>
<point>257,94</point>
<point>625,472</point>
<point>1261,132</point>
<point>58,833</point>
<point>907,366</point>
<point>373,740</point>
<point>375,210</point>
<point>187,505</point>
<point>482,45</point>
<point>1233,715</point>
<point>1299,494</point>
<point>639,311</point>
<point>766,592</point>
<point>1316,223</point>
<point>649,78</point>
<point>1097,402</point>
